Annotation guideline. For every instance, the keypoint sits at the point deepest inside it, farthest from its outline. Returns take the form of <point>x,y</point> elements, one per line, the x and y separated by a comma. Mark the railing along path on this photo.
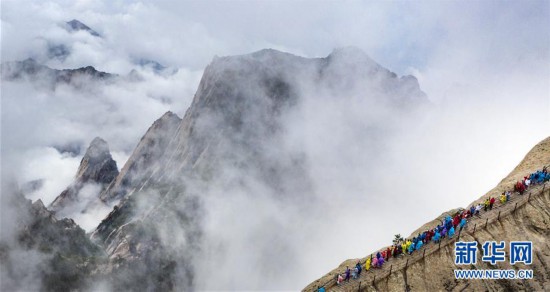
<point>395,264</point>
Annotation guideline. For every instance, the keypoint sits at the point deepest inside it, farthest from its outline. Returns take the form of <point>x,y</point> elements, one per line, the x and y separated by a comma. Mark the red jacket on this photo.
<point>456,220</point>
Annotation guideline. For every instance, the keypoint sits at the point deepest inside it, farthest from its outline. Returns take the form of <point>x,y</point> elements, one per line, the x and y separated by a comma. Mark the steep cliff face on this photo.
<point>145,158</point>
<point>136,231</point>
<point>97,169</point>
<point>524,218</point>
<point>236,116</point>
<point>530,222</point>
<point>44,253</point>
<point>230,137</point>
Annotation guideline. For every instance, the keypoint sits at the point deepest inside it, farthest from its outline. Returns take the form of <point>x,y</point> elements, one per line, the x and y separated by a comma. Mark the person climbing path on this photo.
<point>447,228</point>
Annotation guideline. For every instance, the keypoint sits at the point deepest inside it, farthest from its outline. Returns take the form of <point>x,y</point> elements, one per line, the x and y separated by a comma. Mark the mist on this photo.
<point>375,170</point>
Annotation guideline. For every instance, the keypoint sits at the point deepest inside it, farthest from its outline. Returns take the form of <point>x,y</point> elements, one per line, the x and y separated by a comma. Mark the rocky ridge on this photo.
<point>65,258</point>
<point>145,158</point>
<point>529,220</point>
<point>232,125</point>
<point>42,75</point>
<point>232,136</point>
<point>97,167</point>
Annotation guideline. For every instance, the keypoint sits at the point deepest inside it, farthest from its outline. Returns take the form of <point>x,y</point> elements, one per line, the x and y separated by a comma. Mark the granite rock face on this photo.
<point>529,222</point>
<point>97,167</point>
<point>232,138</point>
<point>144,159</point>
<point>235,125</point>
<point>44,253</point>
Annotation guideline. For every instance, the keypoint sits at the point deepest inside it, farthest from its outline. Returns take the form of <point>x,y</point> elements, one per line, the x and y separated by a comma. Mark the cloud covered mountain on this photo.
<point>41,75</point>
<point>348,135</point>
<point>96,171</point>
<point>53,107</point>
<point>41,252</point>
<point>235,139</point>
<point>75,25</point>
<point>244,140</point>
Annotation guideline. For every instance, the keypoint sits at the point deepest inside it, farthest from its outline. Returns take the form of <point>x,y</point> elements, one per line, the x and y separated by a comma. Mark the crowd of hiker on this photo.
<point>448,227</point>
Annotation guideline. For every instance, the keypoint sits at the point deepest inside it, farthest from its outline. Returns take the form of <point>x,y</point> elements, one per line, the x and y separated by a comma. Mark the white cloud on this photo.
<point>485,67</point>
<point>35,119</point>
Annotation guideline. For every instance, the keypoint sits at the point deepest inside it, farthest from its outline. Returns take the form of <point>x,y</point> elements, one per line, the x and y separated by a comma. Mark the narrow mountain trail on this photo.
<point>370,278</point>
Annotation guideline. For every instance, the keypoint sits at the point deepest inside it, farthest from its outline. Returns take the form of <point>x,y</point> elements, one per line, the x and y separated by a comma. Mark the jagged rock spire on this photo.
<point>144,158</point>
<point>97,166</point>
<point>76,25</point>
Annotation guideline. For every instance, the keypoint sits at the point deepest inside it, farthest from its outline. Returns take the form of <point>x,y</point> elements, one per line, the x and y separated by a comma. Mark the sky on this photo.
<point>485,66</point>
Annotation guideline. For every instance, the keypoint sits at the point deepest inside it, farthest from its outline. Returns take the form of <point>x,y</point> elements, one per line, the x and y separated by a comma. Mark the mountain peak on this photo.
<point>272,53</point>
<point>236,124</point>
<point>75,25</point>
<point>169,115</point>
<point>265,57</point>
<point>351,55</point>
<point>97,164</point>
<point>38,204</point>
<point>29,69</point>
<point>97,141</point>
<point>146,155</point>
<point>96,167</point>
<point>98,149</point>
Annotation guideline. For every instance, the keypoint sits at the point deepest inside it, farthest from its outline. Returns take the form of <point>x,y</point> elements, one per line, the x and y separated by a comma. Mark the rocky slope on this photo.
<point>97,169</point>
<point>230,137</point>
<point>234,138</point>
<point>529,221</point>
<point>145,158</point>
<point>42,252</point>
